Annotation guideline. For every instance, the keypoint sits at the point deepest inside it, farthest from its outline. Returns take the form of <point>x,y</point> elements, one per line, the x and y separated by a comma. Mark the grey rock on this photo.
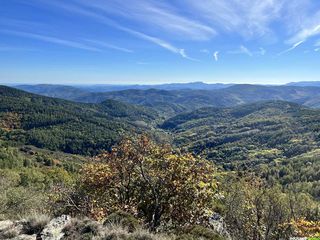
<point>53,231</point>
<point>13,230</point>
<point>218,224</point>
<point>25,237</point>
<point>5,225</point>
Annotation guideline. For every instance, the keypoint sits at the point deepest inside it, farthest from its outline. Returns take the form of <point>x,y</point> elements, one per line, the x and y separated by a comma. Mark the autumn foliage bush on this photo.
<point>153,183</point>
<point>305,228</point>
<point>255,210</point>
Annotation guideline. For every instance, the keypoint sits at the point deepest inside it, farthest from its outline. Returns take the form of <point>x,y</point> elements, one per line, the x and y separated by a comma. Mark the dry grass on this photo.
<point>35,224</point>
<point>119,233</point>
<point>8,234</point>
<point>86,229</point>
<point>82,229</point>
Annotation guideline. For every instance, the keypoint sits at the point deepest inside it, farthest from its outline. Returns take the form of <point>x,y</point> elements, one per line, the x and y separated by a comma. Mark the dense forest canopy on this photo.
<point>264,130</point>
<point>67,126</point>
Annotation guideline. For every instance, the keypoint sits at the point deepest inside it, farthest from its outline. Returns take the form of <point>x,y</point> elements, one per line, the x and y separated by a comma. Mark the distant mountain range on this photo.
<point>305,84</point>
<point>167,86</point>
<point>68,91</point>
<point>171,99</point>
<point>50,89</point>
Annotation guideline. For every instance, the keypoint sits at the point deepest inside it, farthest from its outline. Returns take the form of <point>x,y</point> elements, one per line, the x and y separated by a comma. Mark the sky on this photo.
<point>153,41</point>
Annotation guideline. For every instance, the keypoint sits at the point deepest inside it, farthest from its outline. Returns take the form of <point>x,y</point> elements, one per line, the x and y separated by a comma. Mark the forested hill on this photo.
<point>251,134</point>
<point>246,93</point>
<point>52,90</point>
<point>172,101</point>
<point>168,103</point>
<point>247,133</point>
<point>178,101</point>
<point>67,126</point>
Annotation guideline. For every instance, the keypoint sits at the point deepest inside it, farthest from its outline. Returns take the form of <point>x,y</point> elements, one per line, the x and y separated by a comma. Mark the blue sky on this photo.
<point>150,41</point>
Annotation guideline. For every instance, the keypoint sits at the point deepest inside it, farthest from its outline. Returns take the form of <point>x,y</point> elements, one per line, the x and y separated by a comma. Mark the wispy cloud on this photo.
<point>305,34</point>
<point>205,19</point>
<point>242,50</point>
<point>298,20</point>
<point>108,21</point>
<point>157,14</point>
<point>246,51</point>
<point>107,45</point>
<point>164,22</point>
<point>216,56</point>
<point>249,18</point>
<point>53,40</point>
<point>294,46</point>
<point>183,54</point>
<point>303,20</point>
<point>166,45</point>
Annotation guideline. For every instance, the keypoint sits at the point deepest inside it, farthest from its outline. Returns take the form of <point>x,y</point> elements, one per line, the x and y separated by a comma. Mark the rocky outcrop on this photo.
<point>67,228</point>
<point>218,224</point>
<point>5,224</point>
<point>20,230</point>
<point>53,231</point>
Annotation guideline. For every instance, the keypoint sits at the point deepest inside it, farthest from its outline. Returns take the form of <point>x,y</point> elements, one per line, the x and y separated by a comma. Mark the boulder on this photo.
<point>53,231</point>
<point>5,225</point>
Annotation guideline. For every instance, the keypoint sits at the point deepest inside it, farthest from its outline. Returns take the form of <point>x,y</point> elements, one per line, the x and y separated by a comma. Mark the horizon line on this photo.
<point>152,84</point>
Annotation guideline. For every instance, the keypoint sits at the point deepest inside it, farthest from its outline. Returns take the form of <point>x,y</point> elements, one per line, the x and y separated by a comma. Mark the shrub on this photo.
<point>19,202</point>
<point>124,220</point>
<point>154,182</point>
<point>81,229</point>
<point>115,233</point>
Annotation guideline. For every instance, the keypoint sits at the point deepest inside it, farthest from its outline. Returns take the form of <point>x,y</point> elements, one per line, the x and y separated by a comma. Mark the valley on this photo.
<point>48,141</point>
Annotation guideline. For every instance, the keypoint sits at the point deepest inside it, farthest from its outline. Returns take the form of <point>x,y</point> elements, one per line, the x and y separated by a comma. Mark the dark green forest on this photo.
<point>66,126</point>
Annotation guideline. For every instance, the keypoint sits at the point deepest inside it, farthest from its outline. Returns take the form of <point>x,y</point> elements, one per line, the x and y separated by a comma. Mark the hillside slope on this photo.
<point>250,134</point>
<point>67,126</point>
